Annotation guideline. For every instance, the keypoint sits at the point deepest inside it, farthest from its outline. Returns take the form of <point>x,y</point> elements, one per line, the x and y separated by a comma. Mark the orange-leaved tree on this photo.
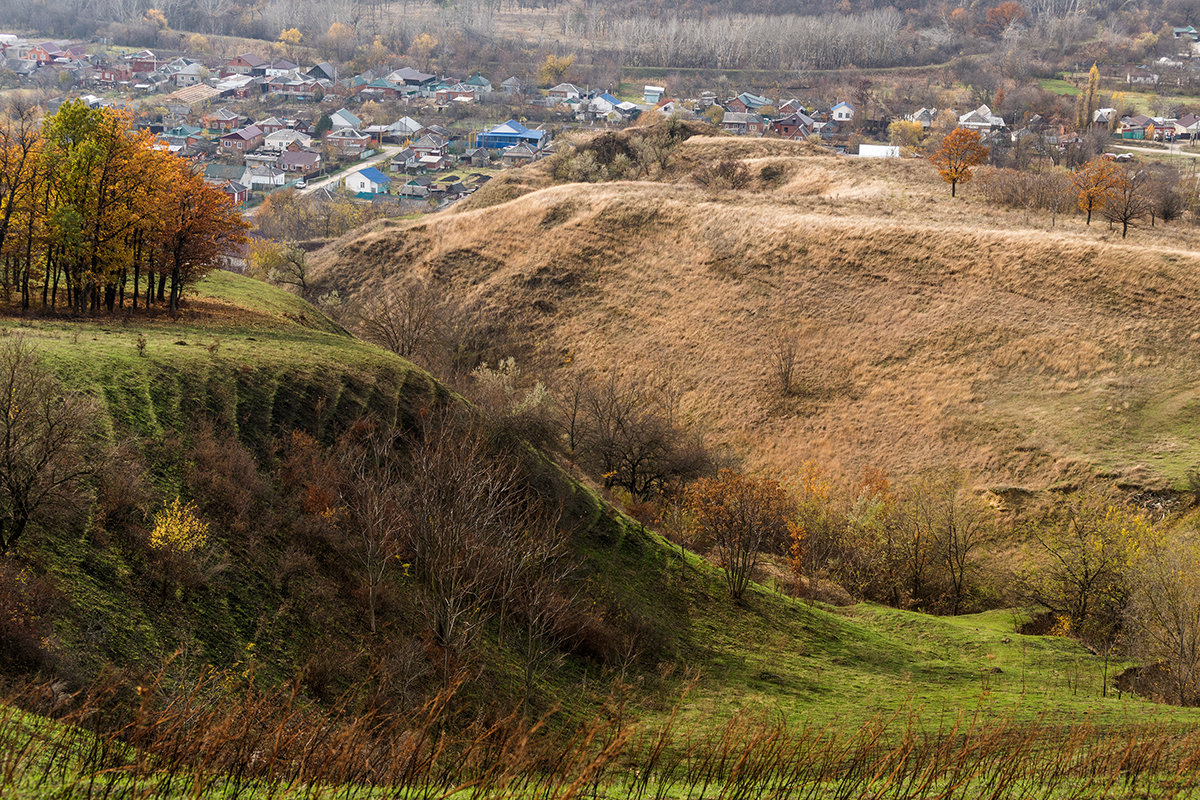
<point>739,516</point>
<point>1095,184</point>
<point>961,151</point>
<point>816,527</point>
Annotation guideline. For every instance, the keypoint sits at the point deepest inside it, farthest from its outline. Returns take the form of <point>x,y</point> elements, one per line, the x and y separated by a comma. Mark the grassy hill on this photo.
<point>272,596</point>
<point>933,329</point>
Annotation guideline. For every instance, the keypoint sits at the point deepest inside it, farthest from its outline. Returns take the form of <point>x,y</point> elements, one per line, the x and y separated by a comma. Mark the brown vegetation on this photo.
<point>929,331</point>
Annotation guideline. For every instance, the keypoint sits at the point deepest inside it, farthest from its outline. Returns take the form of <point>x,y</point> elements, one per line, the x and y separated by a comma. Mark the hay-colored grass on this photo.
<point>934,329</point>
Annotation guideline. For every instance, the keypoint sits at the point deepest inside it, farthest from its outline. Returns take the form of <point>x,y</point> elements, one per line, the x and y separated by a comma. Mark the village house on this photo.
<point>245,64</point>
<point>266,177</point>
<point>1188,125</point>
<point>479,84</point>
<point>459,92</point>
<point>564,92</point>
<point>44,53</point>
<point>344,118</point>
<point>322,71</point>
<point>382,88</point>
<point>243,140</point>
<point>476,157</point>
<point>510,134</point>
<point>796,125</point>
<point>422,82</point>
<point>237,193</point>
<point>519,155</point>
<point>348,142</point>
<point>305,162</point>
<point>189,75</point>
<point>746,102</point>
<point>368,181</point>
<point>221,120</point>
<point>287,139</point>
<point>1137,126</point>
<point>271,125</point>
<point>220,174</point>
<point>743,123</point>
<point>981,120</point>
<point>841,112</point>
<point>280,67</point>
<point>430,145</point>
<point>416,187</point>
<point>925,117</point>
<point>143,61</point>
<point>404,161</point>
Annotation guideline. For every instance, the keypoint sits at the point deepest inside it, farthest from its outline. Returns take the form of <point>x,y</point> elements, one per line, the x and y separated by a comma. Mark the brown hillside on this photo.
<point>934,330</point>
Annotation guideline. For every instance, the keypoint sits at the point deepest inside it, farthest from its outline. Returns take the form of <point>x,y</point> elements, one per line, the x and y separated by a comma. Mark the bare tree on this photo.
<point>632,440</point>
<point>954,523</point>
<point>782,353</point>
<point>49,441</point>
<point>1164,615</point>
<point>1128,201</point>
<point>371,497</point>
<point>403,320</point>
<point>466,518</point>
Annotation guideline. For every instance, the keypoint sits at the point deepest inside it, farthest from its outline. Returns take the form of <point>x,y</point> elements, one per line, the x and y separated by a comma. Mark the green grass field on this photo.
<point>246,353</point>
<point>802,684</point>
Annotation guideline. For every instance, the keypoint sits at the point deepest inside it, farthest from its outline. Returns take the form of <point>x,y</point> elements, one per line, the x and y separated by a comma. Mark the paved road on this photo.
<point>387,151</point>
<point>1174,150</point>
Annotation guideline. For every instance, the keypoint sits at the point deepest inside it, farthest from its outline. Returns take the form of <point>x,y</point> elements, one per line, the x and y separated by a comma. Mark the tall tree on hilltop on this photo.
<point>1095,184</point>
<point>961,151</point>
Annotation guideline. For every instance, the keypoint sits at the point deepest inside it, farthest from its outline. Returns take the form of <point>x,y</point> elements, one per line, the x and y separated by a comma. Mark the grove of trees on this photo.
<point>94,215</point>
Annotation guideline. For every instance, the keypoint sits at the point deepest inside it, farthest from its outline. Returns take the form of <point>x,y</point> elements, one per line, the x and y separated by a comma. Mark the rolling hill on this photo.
<point>933,330</point>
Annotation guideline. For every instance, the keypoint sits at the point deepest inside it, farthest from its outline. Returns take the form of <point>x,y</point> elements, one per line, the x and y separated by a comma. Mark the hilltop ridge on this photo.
<point>932,329</point>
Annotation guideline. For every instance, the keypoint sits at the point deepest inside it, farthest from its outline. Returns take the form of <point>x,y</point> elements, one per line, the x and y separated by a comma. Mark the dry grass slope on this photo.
<point>933,330</point>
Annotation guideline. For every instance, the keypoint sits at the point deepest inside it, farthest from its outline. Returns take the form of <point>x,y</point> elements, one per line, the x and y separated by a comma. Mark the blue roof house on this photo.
<point>368,181</point>
<point>510,134</point>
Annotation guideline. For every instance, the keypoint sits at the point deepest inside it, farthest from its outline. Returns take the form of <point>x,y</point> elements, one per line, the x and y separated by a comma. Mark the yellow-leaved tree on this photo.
<point>554,70</point>
<point>178,529</point>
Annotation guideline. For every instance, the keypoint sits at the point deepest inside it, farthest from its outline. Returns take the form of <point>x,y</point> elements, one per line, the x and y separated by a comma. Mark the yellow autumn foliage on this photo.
<point>177,528</point>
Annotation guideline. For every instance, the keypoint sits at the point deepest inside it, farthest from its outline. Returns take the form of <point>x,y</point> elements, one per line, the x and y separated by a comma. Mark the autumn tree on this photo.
<point>739,516</point>
<point>48,441</point>
<point>178,528</point>
<point>194,225</point>
<point>815,529</point>
<point>422,48</point>
<point>961,151</point>
<point>339,38</point>
<point>1089,99</point>
<point>1000,18</point>
<point>905,133</point>
<point>1163,622</point>
<point>1129,200</point>
<point>280,263</point>
<point>554,70</point>
<point>1089,550</point>
<point>1095,184</point>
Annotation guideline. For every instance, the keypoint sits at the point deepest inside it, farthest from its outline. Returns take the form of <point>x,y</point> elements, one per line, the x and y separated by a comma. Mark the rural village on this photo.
<point>412,141</point>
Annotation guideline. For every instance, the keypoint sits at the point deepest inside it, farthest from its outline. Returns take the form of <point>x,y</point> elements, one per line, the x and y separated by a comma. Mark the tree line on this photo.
<point>94,214</point>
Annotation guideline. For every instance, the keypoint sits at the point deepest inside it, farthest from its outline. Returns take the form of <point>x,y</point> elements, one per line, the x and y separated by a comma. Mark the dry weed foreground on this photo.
<point>931,330</point>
